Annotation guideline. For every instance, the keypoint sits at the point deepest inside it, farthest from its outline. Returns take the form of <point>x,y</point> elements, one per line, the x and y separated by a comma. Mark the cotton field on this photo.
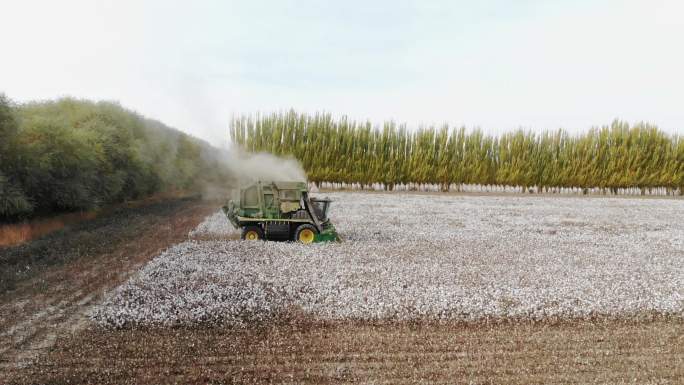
<point>414,256</point>
<point>215,226</point>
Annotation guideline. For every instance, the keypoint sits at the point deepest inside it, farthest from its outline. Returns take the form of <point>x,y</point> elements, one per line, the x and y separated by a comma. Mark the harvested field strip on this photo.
<point>409,257</point>
<point>19,233</point>
<point>86,238</point>
<point>53,281</point>
<point>399,353</point>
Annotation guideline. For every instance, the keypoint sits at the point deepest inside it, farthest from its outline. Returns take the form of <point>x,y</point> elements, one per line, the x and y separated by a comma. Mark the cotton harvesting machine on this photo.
<point>281,211</point>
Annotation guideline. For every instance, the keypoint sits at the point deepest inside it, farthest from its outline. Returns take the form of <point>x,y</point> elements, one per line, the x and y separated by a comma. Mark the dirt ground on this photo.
<point>607,352</point>
<point>48,285</point>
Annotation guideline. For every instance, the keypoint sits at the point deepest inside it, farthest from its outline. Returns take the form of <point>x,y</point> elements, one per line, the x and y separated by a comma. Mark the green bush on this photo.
<point>69,154</point>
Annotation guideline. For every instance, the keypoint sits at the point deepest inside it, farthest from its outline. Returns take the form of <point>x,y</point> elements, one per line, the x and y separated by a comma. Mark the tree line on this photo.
<point>69,155</point>
<point>330,149</point>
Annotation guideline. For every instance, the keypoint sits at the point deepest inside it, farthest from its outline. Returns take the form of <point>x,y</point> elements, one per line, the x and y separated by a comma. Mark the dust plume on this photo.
<point>240,168</point>
<point>250,167</point>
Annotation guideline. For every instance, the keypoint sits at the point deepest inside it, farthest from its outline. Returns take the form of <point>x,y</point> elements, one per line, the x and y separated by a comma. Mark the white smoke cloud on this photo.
<point>243,168</point>
<point>252,167</point>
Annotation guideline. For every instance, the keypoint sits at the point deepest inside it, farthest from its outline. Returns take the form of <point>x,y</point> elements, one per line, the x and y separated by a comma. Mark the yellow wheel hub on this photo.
<point>252,235</point>
<point>306,236</point>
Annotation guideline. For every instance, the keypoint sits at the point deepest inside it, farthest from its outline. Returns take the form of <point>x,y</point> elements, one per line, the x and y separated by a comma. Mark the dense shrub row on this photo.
<point>342,150</point>
<point>68,155</point>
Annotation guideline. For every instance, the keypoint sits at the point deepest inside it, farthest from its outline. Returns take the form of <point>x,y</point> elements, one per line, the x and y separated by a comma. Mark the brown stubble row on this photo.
<point>71,270</point>
<point>598,351</point>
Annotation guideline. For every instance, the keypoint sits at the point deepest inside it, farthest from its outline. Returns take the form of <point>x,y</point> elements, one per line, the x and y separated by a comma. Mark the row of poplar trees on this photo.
<point>343,150</point>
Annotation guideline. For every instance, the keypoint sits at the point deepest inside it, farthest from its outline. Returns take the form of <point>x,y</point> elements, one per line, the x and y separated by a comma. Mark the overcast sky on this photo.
<point>498,65</point>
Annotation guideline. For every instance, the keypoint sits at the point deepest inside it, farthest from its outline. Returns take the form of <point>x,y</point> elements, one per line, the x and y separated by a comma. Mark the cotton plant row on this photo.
<point>412,256</point>
<point>215,226</point>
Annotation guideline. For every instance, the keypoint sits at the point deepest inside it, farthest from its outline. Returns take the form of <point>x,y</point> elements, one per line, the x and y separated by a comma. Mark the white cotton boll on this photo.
<point>409,256</point>
<point>215,226</point>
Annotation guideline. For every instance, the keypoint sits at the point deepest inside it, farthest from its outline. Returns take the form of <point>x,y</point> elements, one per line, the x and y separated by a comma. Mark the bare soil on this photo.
<point>48,285</point>
<point>608,352</point>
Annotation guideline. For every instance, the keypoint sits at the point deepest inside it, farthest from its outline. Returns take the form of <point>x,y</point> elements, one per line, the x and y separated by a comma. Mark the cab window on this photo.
<point>251,197</point>
<point>288,195</point>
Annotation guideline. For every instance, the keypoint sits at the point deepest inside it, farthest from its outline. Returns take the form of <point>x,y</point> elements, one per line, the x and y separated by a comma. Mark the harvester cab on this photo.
<point>280,211</point>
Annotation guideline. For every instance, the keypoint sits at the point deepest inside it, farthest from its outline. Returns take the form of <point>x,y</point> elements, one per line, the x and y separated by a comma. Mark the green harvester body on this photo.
<point>281,211</point>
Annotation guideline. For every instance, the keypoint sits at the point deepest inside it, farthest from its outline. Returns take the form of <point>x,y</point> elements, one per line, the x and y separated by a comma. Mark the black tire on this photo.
<point>249,231</point>
<point>305,233</point>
